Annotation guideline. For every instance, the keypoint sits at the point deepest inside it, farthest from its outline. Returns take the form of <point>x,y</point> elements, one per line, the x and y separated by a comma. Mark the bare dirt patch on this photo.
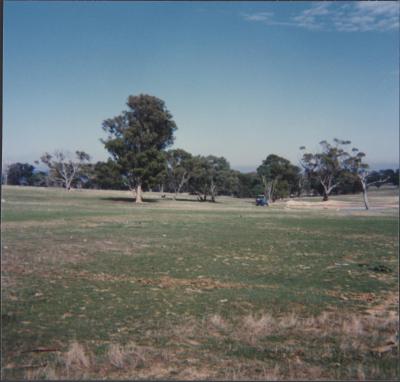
<point>329,204</point>
<point>382,203</point>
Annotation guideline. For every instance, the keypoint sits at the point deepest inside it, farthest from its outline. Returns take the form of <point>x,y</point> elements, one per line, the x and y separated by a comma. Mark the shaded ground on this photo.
<point>95,287</point>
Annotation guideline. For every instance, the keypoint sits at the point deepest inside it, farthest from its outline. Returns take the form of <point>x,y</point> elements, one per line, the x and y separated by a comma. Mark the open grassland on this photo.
<point>94,286</point>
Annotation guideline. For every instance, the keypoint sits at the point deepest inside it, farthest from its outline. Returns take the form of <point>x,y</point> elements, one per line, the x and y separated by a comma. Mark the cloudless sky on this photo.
<point>242,79</point>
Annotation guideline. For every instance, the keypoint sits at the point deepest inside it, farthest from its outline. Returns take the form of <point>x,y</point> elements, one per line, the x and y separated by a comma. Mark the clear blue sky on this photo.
<point>242,79</point>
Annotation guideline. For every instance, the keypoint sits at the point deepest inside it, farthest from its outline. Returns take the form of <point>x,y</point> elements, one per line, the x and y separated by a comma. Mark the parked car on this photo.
<point>261,200</point>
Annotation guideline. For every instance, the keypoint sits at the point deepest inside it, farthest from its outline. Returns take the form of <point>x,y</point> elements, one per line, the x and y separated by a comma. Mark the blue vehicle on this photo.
<point>261,200</point>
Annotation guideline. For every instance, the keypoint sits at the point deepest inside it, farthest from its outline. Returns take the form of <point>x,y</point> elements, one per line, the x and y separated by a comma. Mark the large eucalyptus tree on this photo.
<point>136,141</point>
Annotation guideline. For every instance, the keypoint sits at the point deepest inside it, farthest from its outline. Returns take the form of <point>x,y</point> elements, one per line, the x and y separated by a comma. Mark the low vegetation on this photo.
<point>96,286</point>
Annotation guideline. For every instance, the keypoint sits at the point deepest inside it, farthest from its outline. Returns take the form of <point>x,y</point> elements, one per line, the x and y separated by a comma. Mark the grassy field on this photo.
<point>94,286</point>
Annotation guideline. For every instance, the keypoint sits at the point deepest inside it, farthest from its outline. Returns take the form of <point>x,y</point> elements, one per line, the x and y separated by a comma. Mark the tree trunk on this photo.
<point>139,193</point>
<point>365,191</point>
<point>365,199</point>
<point>182,182</point>
<point>213,190</point>
<point>68,185</point>
<point>325,198</point>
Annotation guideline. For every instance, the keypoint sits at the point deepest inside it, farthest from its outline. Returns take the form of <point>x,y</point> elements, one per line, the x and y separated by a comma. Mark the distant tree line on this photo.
<point>140,160</point>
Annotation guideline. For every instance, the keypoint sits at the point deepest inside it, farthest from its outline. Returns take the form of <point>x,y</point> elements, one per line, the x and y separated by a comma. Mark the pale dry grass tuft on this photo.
<point>50,373</point>
<point>76,357</point>
<point>116,356</point>
<point>46,373</point>
<point>352,326</point>
<point>272,374</point>
<point>254,328</point>
<point>218,322</point>
<point>186,330</point>
<point>32,374</point>
<point>136,355</point>
<point>289,321</point>
<point>360,373</point>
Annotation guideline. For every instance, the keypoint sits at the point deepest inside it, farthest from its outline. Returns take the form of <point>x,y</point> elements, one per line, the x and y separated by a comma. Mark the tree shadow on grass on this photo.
<point>145,200</point>
<point>130,200</point>
<point>195,201</point>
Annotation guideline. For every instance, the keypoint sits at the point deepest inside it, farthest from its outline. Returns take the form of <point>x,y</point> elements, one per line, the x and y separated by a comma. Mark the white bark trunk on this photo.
<point>365,196</point>
<point>139,198</point>
<point>364,185</point>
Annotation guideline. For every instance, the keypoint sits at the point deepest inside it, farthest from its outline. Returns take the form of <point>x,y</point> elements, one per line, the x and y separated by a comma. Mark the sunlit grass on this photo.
<point>165,289</point>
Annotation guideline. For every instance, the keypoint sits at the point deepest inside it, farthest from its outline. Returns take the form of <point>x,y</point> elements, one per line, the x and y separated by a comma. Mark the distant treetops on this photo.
<point>138,140</point>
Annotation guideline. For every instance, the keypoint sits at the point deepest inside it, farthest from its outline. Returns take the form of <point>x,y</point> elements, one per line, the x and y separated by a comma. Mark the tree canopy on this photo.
<point>20,174</point>
<point>279,177</point>
<point>212,175</point>
<point>179,169</point>
<point>64,168</point>
<point>327,166</point>
<point>136,139</point>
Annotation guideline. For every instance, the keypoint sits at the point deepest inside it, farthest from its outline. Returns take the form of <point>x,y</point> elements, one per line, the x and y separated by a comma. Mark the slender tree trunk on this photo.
<point>178,189</point>
<point>365,196</point>
<point>67,185</point>
<point>213,190</point>
<point>325,197</point>
<point>269,193</point>
<point>139,193</point>
<point>364,185</point>
<point>175,191</point>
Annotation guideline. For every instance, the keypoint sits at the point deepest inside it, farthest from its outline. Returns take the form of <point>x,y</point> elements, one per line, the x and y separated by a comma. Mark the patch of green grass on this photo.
<point>88,267</point>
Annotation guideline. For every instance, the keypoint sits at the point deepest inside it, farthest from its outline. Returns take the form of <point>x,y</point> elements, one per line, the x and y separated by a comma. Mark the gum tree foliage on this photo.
<point>106,175</point>
<point>392,176</point>
<point>20,174</point>
<point>40,179</point>
<point>279,177</point>
<point>327,166</point>
<point>356,166</point>
<point>64,168</point>
<point>179,169</point>
<point>211,176</point>
<point>249,185</point>
<point>136,140</point>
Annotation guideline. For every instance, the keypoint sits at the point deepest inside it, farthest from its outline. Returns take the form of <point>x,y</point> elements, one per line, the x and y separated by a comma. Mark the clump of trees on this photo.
<point>139,137</point>
<point>279,177</point>
<point>355,165</point>
<point>326,166</point>
<point>64,168</point>
<point>212,175</point>
<point>20,174</point>
<point>179,167</point>
<point>334,168</point>
<point>249,185</point>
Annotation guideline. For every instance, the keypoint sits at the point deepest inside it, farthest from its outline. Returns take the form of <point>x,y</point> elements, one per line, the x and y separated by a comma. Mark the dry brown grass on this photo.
<point>47,373</point>
<point>116,356</point>
<point>253,328</point>
<point>218,322</point>
<point>271,374</point>
<point>356,334</point>
<point>76,357</point>
<point>360,334</point>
